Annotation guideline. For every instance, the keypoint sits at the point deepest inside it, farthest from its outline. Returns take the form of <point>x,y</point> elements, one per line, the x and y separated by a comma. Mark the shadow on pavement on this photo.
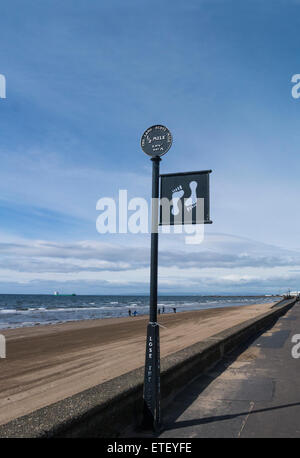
<point>202,421</point>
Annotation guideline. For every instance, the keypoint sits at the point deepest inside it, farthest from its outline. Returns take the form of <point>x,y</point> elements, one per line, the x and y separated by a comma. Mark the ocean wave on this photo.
<point>33,309</point>
<point>73,309</point>
<point>53,310</point>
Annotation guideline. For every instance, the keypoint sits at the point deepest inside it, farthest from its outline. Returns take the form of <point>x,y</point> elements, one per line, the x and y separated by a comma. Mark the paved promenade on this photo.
<point>255,393</point>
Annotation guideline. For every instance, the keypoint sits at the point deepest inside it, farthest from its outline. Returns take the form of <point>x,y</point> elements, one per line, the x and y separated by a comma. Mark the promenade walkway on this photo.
<point>254,393</point>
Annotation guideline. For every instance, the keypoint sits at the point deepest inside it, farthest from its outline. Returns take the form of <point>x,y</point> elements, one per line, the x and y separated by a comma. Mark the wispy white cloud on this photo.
<point>44,180</point>
<point>220,263</point>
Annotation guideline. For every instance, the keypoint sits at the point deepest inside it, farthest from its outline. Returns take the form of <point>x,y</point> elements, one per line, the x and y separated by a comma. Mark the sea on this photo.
<point>17,310</point>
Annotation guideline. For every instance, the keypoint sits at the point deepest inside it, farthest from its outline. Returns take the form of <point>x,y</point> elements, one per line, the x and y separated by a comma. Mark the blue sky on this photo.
<point>85,79</point>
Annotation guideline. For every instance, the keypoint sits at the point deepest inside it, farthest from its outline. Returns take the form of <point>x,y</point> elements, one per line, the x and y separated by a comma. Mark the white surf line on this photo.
<point>246,419</point>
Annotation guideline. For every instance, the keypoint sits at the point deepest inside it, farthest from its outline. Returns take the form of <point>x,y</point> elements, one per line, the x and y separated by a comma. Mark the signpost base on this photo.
<point>151,408</point>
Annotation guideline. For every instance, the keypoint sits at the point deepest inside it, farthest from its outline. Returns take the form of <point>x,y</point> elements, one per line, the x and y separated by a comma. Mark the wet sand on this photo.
<point>45,364</point>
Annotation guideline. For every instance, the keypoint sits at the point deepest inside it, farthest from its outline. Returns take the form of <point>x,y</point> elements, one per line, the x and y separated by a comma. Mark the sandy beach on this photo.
<point>45,364</point>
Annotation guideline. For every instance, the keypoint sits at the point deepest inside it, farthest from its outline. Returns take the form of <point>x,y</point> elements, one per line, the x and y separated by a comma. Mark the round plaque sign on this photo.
<point>156,141</point>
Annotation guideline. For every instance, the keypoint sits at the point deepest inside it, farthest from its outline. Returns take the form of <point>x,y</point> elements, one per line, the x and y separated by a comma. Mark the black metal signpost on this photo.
<point>155,142</point>
<point>182,191</point>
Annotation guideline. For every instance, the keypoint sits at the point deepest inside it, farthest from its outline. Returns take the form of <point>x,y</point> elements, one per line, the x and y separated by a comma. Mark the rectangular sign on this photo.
<point>184,198</point>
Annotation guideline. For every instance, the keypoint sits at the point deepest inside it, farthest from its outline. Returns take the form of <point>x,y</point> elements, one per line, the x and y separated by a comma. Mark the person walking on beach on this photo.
<point>129,312</point>
<point>135,313</point>
<point>163,310</point>
<point>174,309</point>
